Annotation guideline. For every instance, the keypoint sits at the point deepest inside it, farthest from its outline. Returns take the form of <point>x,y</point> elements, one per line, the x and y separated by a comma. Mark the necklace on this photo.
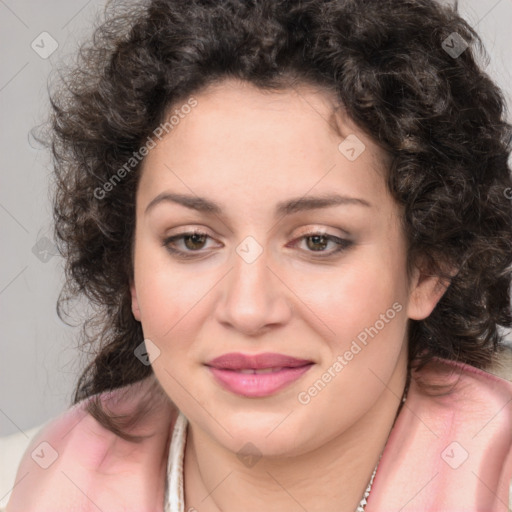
<point>362,504</point>
<point>174,499</point>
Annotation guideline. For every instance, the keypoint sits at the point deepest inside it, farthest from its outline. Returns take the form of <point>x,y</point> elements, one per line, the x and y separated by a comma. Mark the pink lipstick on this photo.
<point>257,375</point>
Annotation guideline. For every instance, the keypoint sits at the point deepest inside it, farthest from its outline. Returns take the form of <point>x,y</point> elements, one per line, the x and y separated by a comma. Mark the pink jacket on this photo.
<point>446,453</point>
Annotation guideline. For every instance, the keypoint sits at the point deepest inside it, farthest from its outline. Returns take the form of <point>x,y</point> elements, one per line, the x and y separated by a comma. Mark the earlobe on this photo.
<point>426,291</point>
<point>135,302</point>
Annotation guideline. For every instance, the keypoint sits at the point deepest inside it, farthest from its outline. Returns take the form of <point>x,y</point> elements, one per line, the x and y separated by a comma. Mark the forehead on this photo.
<point>260,143</point>
<point>319,110</point>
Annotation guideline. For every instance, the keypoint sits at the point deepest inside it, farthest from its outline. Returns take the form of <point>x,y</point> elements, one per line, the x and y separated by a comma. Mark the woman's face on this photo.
<point>300,254</point>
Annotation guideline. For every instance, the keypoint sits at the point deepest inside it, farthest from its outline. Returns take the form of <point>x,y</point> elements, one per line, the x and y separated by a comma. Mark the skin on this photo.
<point>248,149</point>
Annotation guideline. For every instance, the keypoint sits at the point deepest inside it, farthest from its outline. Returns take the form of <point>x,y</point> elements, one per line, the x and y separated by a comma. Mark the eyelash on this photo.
<point>342,244</point>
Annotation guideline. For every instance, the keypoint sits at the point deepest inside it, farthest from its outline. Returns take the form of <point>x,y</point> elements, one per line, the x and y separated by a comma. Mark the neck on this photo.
<point>332,477</point>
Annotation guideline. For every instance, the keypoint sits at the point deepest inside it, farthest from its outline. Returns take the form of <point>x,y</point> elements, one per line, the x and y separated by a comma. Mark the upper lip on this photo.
<point>237,361</point>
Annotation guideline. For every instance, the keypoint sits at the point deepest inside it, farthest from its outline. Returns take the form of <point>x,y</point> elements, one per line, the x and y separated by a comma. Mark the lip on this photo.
<point>238,361</point>
<point>227,370</point>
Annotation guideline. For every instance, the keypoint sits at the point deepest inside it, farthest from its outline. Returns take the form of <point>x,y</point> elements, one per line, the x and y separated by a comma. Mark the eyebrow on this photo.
<point>283,208</point>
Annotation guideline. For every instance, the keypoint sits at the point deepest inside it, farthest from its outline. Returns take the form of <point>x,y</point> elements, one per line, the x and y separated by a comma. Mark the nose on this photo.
<point>254,297</point>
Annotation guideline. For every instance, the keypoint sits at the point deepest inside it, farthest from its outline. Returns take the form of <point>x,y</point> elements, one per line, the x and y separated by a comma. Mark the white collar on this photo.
<point>174,499</point>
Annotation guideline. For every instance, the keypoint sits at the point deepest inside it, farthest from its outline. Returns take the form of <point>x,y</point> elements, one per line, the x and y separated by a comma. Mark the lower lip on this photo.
<point>257,384</point>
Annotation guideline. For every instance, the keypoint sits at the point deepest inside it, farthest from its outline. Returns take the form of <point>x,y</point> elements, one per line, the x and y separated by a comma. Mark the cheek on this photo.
<point>365,312</point>
<point>355,296</point>
<point>165,293</point>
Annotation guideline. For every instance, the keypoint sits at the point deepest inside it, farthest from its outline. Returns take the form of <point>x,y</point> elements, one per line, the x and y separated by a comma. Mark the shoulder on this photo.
<point>454,432</point>
<point>451,389</point>
<point>476,411</point>
<point>75,461</point>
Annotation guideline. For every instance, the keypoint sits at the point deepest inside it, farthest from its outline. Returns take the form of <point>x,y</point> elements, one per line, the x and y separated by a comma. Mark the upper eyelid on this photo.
<point>305,233</point>
<point>301,232</point>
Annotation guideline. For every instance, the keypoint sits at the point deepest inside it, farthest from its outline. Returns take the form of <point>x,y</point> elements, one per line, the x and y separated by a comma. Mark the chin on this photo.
<point>269,434</point>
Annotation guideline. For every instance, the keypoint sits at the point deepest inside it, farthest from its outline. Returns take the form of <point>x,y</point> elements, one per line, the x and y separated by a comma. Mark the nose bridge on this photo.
<point>252,297</point>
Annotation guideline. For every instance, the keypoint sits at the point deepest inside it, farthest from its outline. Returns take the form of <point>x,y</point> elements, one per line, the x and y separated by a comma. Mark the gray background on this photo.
<point>39,362</point>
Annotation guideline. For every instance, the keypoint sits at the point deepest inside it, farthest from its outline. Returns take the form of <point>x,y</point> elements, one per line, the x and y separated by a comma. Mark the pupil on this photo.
<point>315,239</point>
<point>194,239</point>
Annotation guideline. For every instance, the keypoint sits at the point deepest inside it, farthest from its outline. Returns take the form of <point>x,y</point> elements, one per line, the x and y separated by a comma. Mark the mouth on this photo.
<point>257,375</point>
<point>267,361</point>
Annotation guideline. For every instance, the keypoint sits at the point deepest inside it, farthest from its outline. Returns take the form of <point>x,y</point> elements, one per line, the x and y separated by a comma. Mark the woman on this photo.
<point>291,221</point>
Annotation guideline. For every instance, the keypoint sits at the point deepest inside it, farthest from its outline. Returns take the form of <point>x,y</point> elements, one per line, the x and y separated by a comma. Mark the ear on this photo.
<point>135,302</point>
<point>425,292</point>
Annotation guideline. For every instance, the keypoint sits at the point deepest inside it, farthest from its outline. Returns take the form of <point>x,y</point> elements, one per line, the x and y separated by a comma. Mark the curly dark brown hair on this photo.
<point>440,118</point>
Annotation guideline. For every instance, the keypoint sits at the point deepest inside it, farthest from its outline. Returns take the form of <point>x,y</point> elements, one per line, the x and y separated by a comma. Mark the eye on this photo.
<point>194,242</point>
<point>318,241</point>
